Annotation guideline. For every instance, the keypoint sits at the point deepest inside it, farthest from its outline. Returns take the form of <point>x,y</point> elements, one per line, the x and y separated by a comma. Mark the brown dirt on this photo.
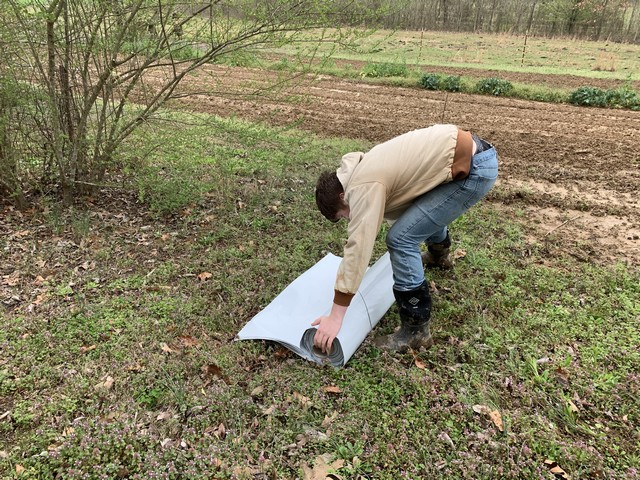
<point>570,174</point>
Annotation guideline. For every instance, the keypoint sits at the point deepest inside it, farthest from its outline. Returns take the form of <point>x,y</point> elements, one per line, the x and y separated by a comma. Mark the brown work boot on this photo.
<point>437,255</point>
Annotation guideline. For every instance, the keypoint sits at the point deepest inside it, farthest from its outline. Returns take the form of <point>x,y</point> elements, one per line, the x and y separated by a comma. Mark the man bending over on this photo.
<point>420,182</point>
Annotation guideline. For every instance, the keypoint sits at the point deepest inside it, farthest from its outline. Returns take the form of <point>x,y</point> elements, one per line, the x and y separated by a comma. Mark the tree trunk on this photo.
<point>632,18</point>
<point>445,14</point>
<point>531,15</point>
<point>10,186</point>
<point>601,19</point>
<point>14,195</point>
<point>492,15</point>
<point>476,22</point>
<point>573,16</point>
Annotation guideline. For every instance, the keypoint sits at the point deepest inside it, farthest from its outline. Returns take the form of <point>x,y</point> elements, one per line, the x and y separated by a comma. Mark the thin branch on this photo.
<point>562,225</point>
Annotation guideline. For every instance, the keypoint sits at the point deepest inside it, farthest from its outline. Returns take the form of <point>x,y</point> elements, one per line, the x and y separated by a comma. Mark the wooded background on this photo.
<point>614,20</point>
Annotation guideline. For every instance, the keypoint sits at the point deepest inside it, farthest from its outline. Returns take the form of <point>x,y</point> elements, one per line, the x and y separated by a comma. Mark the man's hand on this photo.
<point>328,328</point>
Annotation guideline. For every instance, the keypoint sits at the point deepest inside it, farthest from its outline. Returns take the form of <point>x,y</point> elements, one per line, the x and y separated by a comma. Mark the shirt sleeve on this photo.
<point>367,204</point>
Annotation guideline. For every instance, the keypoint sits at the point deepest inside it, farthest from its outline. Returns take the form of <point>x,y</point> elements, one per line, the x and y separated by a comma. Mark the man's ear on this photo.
<point>341,196</point>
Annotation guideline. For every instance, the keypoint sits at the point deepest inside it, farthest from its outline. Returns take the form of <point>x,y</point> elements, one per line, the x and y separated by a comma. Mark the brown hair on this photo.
<point>328,190</point>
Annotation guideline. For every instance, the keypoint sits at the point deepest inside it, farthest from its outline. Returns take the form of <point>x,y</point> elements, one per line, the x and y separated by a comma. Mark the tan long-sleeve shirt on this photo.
<point>382,184</point>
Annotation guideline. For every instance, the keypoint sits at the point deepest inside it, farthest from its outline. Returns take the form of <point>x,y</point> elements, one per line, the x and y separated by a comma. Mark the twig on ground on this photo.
<point>562,225</point>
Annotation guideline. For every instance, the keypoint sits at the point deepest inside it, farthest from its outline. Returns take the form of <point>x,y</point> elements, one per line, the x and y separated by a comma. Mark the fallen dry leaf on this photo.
<point>106,383</point>
<point>321,468</point>
<point>556,470</point>
<point>459,253</point>
<point>88,265</point>
<point>256,392</point>
<point>54,447</point>
<point>41,298</point>
<point>332,389</point>
<point>111,416</point>
<point>483,409</point>
<point>418,362</point>
<point>84,349</point>
<point>444,436</point>
<point>164,416</point>
<point>11,280</point>
<point>214,370</point>
<point>494,415</point>
<point>563,376</point>
<point>205,276</point>
<point>220,432</point>
<point>19,469</point>
<point>169,349</point>
<point>134,367</point>
<point>282,352</point>
<point>328,420</point>
<point>244,471</point>
<point>496,418</point>
<point>304,401</point>
<point>189,341</point>
<point>269,411</point>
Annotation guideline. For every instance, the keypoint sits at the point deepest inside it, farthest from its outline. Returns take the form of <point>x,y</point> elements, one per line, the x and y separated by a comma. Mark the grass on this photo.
<point>118,360</point>
<point>499,52</point>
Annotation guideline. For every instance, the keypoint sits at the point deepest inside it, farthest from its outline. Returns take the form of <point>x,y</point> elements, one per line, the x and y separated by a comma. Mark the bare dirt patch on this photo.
<point>570,174</point>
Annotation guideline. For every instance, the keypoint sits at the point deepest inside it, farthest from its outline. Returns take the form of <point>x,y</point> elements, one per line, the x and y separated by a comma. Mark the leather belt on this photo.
<point>481,144</point>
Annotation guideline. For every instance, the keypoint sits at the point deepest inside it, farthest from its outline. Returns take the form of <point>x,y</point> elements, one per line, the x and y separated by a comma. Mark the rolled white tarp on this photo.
<point>287,319</point>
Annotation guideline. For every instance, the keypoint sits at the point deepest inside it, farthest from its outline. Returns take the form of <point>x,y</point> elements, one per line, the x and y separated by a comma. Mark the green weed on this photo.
<point>431,81</point>
<point>452,83</point>
<point>378,70</point>
<point>623,97</point>
<point>494,86</point>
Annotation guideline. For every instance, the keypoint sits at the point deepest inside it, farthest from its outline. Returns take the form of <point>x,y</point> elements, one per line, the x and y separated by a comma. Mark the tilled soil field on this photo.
<point>570,174</point>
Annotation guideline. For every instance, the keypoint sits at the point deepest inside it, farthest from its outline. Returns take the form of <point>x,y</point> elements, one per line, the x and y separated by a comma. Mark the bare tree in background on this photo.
<point>78,64</point>
<point>616,20</point>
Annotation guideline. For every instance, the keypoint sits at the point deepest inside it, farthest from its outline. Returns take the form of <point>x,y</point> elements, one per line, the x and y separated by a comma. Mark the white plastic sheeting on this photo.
<point>287,319</point>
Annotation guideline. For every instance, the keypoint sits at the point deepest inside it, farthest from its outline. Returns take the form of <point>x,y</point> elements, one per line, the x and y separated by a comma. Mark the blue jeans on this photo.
<point>427,218</point>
